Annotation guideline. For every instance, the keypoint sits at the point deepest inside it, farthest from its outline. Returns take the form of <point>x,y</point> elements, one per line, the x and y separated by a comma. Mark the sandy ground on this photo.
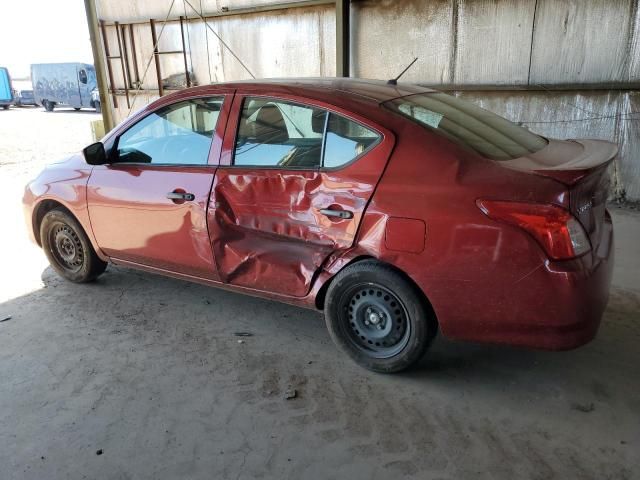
<point>147,372</point>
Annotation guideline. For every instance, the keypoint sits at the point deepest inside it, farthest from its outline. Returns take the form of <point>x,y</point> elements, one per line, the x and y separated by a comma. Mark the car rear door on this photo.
<point>149,206</point>
<point>292,186</point>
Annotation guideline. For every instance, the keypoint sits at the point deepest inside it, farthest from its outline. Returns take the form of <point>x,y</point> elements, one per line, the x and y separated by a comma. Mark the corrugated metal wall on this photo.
<point>564,68</point>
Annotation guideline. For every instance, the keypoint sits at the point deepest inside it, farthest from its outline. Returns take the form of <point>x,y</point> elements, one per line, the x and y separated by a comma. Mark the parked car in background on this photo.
<point>398,210</point>
<point>6,90</point>
<point>64,84</point>
<point>24,97</point>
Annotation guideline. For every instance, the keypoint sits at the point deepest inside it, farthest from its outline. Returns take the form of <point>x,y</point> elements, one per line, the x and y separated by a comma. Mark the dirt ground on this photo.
<point>140,377</point>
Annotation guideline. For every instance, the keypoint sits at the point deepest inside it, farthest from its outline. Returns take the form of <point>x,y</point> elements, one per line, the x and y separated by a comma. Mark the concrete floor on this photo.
<point>146,370</point>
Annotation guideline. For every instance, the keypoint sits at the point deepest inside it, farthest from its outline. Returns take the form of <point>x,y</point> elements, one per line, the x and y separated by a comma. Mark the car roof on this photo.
<point>377,91</point>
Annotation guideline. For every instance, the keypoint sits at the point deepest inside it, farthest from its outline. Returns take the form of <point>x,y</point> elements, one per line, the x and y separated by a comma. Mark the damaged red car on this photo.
<point>398,210</point>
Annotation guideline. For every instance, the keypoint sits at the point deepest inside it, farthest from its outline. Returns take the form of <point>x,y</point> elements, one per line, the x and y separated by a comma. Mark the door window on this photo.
<point>346,140</point>
<point>275,133</point>
<point>82,76</point>
<point>178,134</point>
<point>279,134</point>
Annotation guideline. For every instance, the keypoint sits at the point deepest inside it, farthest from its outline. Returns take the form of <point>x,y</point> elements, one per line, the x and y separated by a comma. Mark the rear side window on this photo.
<point>346,140</point>
<point>274,133</point>
<point>82,76</point>
<point>486,133</point>
<point>178,134</point>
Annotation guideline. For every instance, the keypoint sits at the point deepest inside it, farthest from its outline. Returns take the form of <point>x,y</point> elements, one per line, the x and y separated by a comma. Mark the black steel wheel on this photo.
<point>68,248</point>
<point>378,320</point>
<point>378,317</point>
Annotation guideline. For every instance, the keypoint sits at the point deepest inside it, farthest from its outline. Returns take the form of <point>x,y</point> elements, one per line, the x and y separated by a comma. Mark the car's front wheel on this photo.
<point>68,248</point>
<point>378,317</point>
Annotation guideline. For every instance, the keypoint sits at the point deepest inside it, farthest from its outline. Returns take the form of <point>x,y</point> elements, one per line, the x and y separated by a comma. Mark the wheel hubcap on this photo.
<point>375,320</point>
<point>66,247</point>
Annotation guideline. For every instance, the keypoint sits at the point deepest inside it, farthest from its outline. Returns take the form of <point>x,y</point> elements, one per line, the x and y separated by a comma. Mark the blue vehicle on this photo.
<point>24,97</point>
<point>65,84</point>
<point>6,92</point>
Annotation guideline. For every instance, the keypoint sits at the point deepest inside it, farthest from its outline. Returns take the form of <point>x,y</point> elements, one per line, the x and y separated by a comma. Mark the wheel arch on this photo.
<point>322,292</point>
<point>41,209</point>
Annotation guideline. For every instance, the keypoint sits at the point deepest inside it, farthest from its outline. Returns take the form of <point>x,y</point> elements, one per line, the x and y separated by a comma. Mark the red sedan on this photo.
<point>397,209</point>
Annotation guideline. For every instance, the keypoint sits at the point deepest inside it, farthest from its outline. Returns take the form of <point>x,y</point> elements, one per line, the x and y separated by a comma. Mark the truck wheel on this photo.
<point>378,318</point>
<point>68,248</point>
<point>49,106</point>
<point>6,107</point>
<point>98,107</point>
<point>76,108</point>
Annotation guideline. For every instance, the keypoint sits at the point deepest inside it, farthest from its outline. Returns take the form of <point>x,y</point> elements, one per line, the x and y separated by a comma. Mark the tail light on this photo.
<point>556,230</point>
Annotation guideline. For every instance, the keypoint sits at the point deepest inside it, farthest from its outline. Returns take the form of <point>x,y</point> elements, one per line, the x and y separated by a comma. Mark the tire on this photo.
<point>6,107</point>
<point>98,107</point>
<point>49,106</point>
<point>378,318</point>
<point>68,248</point>
<point>76,108</point>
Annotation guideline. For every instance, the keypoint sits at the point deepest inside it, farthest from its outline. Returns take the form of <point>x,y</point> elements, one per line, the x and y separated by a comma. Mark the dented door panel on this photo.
<point>267,227</point>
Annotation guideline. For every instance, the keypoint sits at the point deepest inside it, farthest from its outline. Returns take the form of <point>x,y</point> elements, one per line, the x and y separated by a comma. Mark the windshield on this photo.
<point>484,132</point>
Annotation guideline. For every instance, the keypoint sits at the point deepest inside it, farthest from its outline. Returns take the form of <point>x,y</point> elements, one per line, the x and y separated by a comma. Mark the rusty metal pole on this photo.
<point>156,56</point>
<point>343,30</point>
<point>184,52</point>
<point>98,63</point>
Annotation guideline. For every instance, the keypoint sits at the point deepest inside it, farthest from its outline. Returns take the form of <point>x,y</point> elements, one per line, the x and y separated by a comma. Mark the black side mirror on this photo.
<point>94,154</point>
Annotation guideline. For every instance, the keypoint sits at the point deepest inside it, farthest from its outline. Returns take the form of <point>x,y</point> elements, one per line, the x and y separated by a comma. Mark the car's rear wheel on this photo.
<point>49,106</point>
<point>378,317</point>
<point>68,248</point>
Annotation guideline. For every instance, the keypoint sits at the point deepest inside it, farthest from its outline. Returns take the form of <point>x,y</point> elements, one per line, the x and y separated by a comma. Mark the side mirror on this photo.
<point>94,154</point>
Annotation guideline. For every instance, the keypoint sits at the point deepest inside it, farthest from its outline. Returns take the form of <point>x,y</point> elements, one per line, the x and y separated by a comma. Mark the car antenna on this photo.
<point>394,81</point>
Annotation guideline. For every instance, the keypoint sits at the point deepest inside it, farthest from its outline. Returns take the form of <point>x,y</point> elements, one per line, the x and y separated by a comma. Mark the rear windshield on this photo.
<point>484,132</point>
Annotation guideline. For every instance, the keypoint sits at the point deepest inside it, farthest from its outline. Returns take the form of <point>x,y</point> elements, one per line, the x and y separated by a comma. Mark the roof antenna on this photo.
<point>394,81</point>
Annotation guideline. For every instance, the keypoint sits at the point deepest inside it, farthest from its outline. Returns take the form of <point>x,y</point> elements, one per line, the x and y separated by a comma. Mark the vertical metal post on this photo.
<point>125,53</point>
<point>108,55</point>
<point>135,57</point>
<point>343,30</point>
<point>98,62</point>
<point>184,52</point>
<point>125,79</point>
<point>156,57</point>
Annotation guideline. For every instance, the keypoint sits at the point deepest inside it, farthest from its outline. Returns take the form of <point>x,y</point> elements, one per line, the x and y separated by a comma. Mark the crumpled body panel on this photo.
<point>267,229</point>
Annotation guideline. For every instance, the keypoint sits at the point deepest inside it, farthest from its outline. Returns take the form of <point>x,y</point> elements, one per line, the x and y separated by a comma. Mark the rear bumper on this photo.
<point>558,306</point>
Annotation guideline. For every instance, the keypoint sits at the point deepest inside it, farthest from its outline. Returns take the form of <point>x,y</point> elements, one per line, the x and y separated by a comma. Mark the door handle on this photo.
<point>336,213</point>
<point>189,197</point>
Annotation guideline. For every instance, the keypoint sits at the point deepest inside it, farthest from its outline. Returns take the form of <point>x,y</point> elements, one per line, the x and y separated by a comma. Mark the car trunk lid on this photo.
<point>582,167</point>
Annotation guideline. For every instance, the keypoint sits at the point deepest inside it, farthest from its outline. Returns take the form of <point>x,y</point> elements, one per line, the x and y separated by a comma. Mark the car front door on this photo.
<point>292,186</point>
<point>148,206</point>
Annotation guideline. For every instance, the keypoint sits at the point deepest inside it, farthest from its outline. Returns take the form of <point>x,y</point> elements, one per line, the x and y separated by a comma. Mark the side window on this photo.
<point>346,140</point>
<point>276,133</point>
<point>82,76</point>
<point>178,134</point>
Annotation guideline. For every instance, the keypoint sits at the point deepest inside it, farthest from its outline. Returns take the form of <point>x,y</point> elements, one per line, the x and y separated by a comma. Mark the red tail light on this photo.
<point>555,229</point>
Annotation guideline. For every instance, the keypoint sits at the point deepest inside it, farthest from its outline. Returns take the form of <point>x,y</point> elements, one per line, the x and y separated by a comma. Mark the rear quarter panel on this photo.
<point>467,260</point>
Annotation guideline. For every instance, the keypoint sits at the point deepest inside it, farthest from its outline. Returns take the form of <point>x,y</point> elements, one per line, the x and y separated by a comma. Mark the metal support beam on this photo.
<point>272,7</point>
<point>98,63</point>
<point>125,78</point>
<point>184,53</point>
<point>112,85</point>
<point>343,30</point>
<point>156,56</point>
